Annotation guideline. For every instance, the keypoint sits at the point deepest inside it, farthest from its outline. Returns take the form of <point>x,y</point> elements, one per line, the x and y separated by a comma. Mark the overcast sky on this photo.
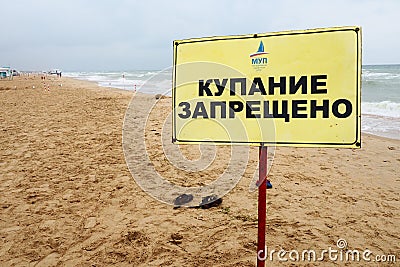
<point>133,35</point>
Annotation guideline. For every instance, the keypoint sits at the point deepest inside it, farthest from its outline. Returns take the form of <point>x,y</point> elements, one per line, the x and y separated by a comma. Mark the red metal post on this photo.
<point>262,206</point>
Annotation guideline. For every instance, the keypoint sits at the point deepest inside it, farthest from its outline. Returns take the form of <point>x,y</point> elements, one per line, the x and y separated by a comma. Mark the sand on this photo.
<point>67,197</point>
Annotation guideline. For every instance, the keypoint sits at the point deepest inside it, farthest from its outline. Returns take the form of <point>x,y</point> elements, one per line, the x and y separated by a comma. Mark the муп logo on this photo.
<point>258,58</point>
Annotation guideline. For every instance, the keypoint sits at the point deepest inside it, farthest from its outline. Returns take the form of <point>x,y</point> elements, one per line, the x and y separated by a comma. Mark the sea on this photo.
<point>380,92</point>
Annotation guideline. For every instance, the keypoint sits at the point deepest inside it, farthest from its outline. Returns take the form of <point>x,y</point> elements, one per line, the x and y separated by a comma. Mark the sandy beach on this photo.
<point>67,197</point>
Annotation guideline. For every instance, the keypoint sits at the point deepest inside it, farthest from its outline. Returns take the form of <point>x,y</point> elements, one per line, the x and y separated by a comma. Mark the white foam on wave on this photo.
<point>97,78</point>
<point>384,108</point>
<point>382,126</point>
<point>86,76</point>
<point>369,76</point>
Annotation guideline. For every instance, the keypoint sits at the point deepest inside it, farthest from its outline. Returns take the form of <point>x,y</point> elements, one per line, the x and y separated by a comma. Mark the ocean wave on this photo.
<point>382,126</point>
<point>384,108</point>
<point>149,73</point>
<point>97,78</point>
<point>367,75</point>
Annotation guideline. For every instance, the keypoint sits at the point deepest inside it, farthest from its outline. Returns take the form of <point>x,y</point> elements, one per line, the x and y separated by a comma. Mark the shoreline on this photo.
<point>94,84</point>
<point>132,92</point>
<point>68,198</point>
<point>374,121</point>
<point>377,120</point>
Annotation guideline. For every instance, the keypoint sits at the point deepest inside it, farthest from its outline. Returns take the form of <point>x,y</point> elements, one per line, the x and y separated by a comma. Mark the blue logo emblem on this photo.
<point>260,51</point>
<point>258,59</point>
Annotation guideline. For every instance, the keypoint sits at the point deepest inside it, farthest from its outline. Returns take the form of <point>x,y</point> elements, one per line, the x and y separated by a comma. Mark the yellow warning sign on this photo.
<point>294,88</point>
